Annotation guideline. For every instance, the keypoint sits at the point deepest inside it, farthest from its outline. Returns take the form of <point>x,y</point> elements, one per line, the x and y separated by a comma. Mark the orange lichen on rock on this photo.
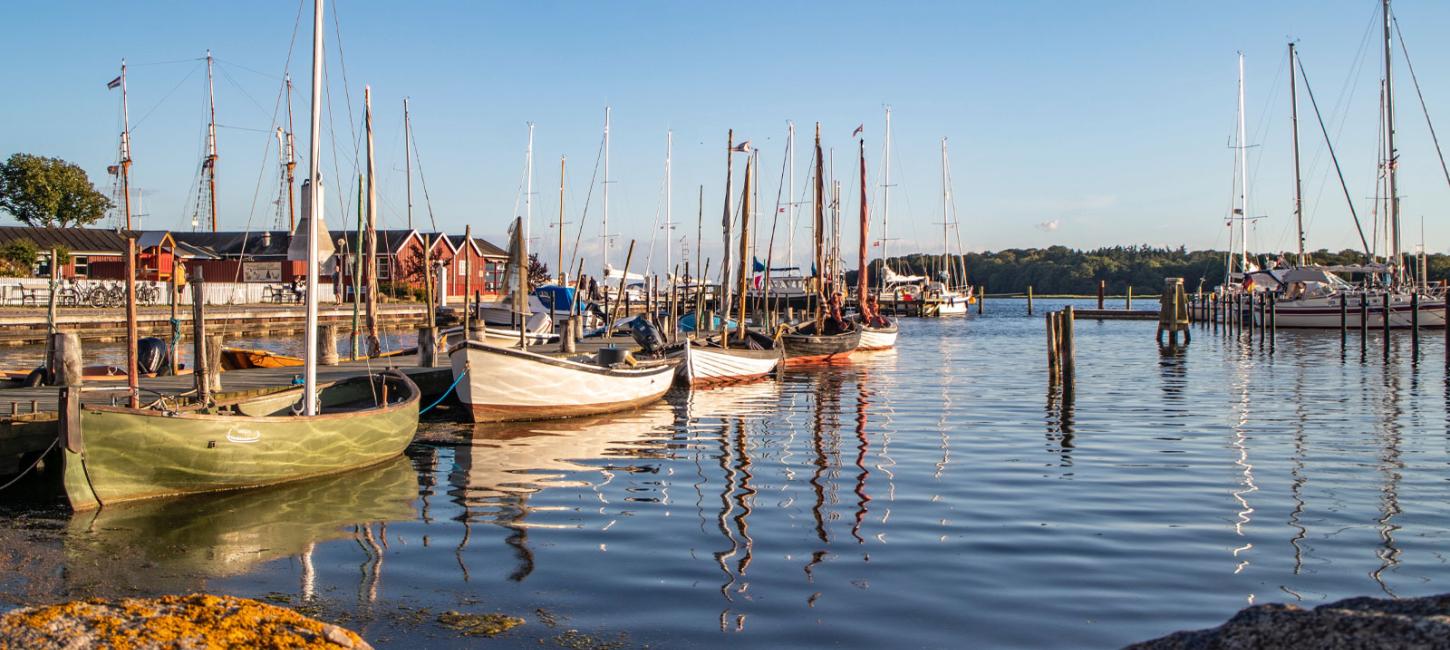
<point>192,621</point>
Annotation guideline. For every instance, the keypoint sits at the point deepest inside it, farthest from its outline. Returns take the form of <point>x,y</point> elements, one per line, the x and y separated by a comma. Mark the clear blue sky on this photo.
<point>1074,123</point>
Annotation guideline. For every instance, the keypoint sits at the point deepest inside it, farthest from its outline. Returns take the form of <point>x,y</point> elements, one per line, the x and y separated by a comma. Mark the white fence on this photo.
<point>36,292</point>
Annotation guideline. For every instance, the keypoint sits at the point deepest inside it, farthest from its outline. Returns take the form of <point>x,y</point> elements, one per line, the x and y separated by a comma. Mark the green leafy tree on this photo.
<point>49,192</point>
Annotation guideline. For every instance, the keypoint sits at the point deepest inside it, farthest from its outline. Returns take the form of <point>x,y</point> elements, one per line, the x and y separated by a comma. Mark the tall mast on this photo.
<point>946,214</point>
<point>529,187</point>
<point>211,140</point>
<point>886,189</point>
<point>862,305</point>
<point>1392,212</point>
<point>291,161</point>
<point>725,222</point>
<point>669,195</point>
<point>314,205</point>
<point>370,242</point>
<point>563,274</point>
<point>605,224</point>
<point>408,160</point>
<point>1298,184</point>
<point>1243,177</point>
<point>125,148</point>
<point>790,194</point>
<point>820,224</point>
<point>744,247</point>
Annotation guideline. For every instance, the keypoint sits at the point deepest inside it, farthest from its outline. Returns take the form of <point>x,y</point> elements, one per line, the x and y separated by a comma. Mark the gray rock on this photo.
<point>1351,623</point>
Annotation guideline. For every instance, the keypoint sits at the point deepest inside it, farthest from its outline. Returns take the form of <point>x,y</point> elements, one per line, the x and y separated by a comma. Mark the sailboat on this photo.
<point>828,336</point>
<point>877,331</point>
<point>1313,296</point>
<point>726,356</point>
<point>502,384</point>
<point>176,446</point>
<point>949,298</point>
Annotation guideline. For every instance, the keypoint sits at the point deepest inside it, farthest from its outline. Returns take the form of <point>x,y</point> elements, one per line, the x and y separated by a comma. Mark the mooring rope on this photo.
<point>446,392</point>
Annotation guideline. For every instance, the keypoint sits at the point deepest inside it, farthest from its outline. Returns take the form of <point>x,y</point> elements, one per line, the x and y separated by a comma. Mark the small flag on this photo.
<point>781,211</point>
<point>743,147</point>
<point>113,169</point>
<point>859,129</point>
<point>113,84</point>
<point>1238,211</point>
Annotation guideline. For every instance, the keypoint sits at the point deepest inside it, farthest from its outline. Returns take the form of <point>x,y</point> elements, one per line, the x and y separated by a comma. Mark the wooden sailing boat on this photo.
<point>114,453</point>
<point>828,336</point>
<point>707,358</point>
<point>500,384</point>
<point>877,331</point>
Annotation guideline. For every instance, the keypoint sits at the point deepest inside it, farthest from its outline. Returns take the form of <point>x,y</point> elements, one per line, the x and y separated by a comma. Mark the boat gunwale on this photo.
<point>653,367</point>
<point>413,399</point>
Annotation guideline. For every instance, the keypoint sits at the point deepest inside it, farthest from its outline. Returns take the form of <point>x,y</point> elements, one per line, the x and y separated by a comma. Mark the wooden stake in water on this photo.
<point>198,338</point>
<point>1029,300</point>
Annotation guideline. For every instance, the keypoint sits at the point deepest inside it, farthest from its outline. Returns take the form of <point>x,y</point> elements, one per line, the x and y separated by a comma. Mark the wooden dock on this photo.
<point>1117,314</point>
<point>27,325</point>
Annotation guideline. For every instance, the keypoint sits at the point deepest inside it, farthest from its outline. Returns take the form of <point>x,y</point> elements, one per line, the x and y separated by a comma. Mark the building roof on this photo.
<point>260,244</point>
<point>76,240</point>
<point>484,248</point>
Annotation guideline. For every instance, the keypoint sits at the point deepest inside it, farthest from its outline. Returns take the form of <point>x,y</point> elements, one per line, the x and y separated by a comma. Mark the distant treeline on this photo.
<point>1059,269</point>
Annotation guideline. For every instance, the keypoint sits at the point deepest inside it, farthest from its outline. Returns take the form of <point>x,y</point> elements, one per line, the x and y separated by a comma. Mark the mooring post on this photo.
<point>214,362</point>
<point>1052,358</point>
<point>1363,321</point>
<point>1128,301</point>
<point>427,347</point>
<point>1386,318</point>
<point>66,348</point>
<point>981,299</point>
<point>1102,290</point>
<point>1068,346</point>
<point>327,344</point>
<point>1415,323</point>
<point>199,356</point>
<point>1446,316</point>
<point>1273,316</point>
<point>1029,300</point>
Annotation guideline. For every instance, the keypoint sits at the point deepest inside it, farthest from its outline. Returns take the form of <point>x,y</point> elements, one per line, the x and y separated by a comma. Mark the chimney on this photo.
<point>266,239</point>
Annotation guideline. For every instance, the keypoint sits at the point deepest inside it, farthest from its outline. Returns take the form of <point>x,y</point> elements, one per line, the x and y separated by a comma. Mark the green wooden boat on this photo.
<point>123,454</point>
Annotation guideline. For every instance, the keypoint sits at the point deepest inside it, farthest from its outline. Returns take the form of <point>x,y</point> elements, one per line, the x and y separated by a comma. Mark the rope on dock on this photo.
<point>446,392</point>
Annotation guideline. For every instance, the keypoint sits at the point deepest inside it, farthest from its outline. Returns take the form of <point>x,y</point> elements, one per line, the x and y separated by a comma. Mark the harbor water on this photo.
<point>943,494</point>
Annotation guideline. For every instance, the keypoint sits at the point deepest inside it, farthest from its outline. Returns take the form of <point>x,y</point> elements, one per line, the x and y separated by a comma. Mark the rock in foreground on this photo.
<point>1352,623</point>
<point>194,621</point>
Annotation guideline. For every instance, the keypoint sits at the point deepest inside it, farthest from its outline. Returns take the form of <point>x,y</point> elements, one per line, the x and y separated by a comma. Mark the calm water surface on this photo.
<point>937,495</point>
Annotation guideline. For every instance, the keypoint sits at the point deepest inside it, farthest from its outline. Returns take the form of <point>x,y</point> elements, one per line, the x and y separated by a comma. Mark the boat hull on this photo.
<point>704,366</point>
<point>1323,313</point>
<point>809,348</point>
<point>242,358</point>
<point>128,454</point>
<point>516,385</point>
<point>878,338</point>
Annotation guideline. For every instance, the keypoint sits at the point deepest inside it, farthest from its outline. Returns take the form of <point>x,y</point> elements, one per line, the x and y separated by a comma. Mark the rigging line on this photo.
<point>245,128</point>
<point>588,196</point>
<point>163,99</point>
<point>1423,108</point>
<point>423,180</point>
<point>1308,90</point>
<point>228,76</point>
<point>174,61</point>
<point>347,94</point>
<point>251,70</point>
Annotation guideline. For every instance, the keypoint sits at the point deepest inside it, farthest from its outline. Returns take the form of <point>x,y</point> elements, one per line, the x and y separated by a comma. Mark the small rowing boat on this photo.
<point>507,384</point>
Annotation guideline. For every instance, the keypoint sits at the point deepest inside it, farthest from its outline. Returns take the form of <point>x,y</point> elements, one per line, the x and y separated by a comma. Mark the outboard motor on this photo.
<point>151,356</point>
<point>646,335</point>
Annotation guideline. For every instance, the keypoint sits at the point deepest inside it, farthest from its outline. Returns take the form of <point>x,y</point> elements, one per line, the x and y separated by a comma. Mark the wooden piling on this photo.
<point>1029,300</point>
<point>172,342</point>
<point>1102,291</point>
<point>981,299</point>
<point>1363,321</point>
<point>1128,301</point>
<point>1343,320</point>
<point>327,345</point>
<point>214,362</point>
<point>68,360</point>
<point>1386,318</point>
<point>428,347</point>
<point>1415,323</point>
<point>199,356</point>
<point>1052,351</point>
<point>1069,350</point>
<point>133,381</point>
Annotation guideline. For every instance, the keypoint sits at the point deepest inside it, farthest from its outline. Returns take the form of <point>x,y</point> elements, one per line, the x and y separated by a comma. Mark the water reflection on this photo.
<point>503,465</point>
<point>178,544</point>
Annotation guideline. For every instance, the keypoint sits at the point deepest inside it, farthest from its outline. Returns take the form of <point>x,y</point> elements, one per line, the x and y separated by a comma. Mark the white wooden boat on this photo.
<point>707,364</point>
<point>880,336</point>
<point>504,384</point>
